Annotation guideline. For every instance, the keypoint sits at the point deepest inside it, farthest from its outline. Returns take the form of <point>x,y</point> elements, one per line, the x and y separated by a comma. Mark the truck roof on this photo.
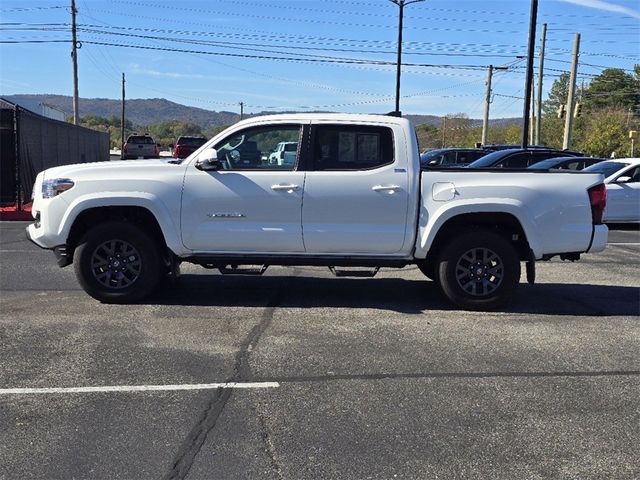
<point>331,117</point>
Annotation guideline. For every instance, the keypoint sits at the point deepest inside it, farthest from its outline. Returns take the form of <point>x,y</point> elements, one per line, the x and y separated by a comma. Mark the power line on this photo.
<point>29,9</point>
<point>310,21</point>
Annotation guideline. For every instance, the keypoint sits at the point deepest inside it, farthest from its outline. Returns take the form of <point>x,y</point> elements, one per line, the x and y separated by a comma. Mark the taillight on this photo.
<point>125,148</point>
<point>282,155</point>
<point>598,200</point>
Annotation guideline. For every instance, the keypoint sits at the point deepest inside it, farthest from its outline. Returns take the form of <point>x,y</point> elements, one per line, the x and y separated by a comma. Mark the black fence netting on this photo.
<point>8,186</point>
<point>44,143</point>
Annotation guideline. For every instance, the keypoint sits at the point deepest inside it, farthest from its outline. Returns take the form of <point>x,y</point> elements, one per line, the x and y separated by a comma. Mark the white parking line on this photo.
<point>20,251</point>
<point>138,388</point>
<point>624,243</point>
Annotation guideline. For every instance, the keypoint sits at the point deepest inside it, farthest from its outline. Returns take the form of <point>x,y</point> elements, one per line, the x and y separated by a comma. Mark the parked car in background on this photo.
<point>185,146</point>
<point>622,180</point>
<point>492,147</point>
<point>566,163</point>
<point>140,146</point>
<point>451,157</point>
<point>520,157</point>
<point>284,154</point>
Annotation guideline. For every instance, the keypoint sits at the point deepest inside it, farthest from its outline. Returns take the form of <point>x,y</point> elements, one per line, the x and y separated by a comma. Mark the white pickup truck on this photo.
<point>355,197</point>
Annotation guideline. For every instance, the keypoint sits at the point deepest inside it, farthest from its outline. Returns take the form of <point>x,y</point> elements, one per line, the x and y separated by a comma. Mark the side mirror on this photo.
<point>624,179</point>
<point>209,161</point>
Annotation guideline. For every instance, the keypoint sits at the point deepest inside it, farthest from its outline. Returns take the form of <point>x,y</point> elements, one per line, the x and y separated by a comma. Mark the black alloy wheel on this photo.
<point>478,270</point>
<point>118,262</point>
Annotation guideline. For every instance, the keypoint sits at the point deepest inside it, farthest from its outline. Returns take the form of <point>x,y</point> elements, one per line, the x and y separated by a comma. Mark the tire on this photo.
<point>117,262</point>
<point>478,270</point>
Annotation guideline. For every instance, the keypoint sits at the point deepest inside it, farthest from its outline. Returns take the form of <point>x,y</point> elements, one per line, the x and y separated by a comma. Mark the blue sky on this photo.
<point>449,42</point>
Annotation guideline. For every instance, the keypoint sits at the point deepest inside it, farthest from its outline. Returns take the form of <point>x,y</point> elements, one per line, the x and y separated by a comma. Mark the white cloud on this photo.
<point>607,6</point>
<point>156,73</point>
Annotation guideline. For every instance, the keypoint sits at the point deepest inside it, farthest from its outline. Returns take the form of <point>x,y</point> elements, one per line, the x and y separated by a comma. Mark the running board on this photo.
<point>354,273</point>
<point>247,270</point>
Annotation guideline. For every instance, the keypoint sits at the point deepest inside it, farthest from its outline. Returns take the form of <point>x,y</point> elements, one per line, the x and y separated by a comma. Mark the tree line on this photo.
<point>164,133</point>
<point>610,108</point>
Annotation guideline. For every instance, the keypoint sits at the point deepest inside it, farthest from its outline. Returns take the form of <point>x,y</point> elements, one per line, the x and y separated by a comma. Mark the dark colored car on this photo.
<point>450,157</point>
<point>185,146</point>
<point>566,163</point>
<point>140,146</point>
<point>520,158</point>
<point>492,147</point>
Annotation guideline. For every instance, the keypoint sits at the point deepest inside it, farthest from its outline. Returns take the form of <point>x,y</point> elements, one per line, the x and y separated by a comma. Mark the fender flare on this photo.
<point>148,201</point>
<point>428,232</point>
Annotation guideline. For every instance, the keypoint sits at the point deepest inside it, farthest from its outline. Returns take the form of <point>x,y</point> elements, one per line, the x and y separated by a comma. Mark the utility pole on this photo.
<point>241,110</point>
<point>444,127</point>
<point>122,123</point>
<point>543,40</point>
<point>401,4</point>
<point>568,121</point>
<point>74,58</point>
<point>533,118</point>
<point>529,80</point>
<point>487,101</point>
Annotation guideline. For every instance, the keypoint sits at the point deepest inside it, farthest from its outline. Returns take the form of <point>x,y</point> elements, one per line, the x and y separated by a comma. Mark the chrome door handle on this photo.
<point>288,188</point>
<point>386,188</point>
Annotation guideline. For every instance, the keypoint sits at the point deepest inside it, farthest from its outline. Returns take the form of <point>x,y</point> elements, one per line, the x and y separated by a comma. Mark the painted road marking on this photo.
<point>624,243</point>
<point>138,388</point>
<point>21,251</point>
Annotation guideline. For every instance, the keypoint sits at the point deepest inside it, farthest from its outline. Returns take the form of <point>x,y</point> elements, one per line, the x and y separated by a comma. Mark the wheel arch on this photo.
<point>506,224</point>
<point>145,209</point>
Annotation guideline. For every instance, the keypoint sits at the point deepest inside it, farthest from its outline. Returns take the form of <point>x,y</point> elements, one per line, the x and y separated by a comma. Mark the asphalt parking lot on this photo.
<point>342,378</point>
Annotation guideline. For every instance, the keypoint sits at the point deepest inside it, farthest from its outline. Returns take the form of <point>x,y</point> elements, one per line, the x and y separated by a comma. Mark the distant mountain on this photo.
<point>157,110</point>
<point>139,111</point>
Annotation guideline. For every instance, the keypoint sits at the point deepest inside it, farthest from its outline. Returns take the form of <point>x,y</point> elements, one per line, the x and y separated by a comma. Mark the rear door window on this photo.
<point>348,147</point>
<point>140,139</point>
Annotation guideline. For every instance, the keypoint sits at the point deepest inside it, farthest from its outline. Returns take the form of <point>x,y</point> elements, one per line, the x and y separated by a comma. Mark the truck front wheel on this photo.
<point>478,270</point>
<point>117,262</point>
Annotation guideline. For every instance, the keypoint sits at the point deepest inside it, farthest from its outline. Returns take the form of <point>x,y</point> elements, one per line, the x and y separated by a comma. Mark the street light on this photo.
<point>401,4</point>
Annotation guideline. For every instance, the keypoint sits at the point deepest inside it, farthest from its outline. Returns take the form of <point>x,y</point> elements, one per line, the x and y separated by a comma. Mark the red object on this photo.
<point>598,200</point>
<point>125,148</point>
<point>11,213</point>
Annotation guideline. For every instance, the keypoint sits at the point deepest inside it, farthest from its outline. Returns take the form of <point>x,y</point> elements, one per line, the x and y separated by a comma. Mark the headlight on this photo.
<point>55,186</point>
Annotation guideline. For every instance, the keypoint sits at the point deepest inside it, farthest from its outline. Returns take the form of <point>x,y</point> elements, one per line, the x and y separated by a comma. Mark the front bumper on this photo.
<point>64,255</point>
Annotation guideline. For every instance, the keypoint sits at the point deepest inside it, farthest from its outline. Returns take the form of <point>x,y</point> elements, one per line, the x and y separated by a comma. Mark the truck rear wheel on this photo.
<point>478,270</point>
<point>117,262</point>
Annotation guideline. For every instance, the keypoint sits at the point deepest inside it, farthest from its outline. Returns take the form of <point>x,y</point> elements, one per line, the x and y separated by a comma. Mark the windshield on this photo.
<point>550,163</point>
<point>430,154</point>
<point>191,141</point>
<point>490,159</point>
<point>607,168</point>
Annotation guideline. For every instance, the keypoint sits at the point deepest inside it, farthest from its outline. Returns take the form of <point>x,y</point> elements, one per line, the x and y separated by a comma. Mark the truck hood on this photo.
<point>122,168</point>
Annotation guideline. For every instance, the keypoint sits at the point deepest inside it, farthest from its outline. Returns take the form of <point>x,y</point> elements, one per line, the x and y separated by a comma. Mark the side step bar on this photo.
<point>354,273</point>
<point>246,270</point>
